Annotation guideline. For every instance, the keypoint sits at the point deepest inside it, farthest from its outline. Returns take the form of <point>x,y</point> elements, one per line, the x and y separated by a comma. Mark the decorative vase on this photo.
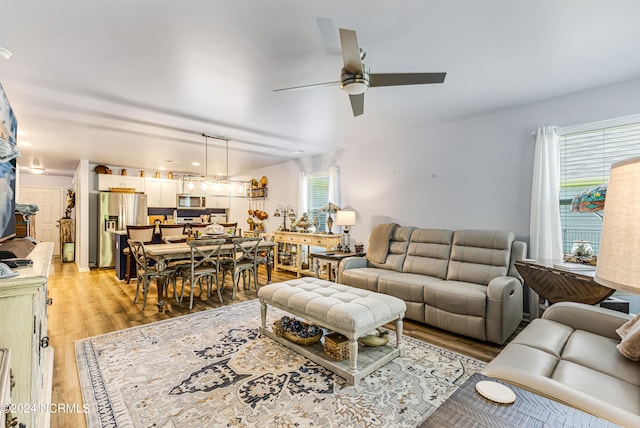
<point>329,224</point>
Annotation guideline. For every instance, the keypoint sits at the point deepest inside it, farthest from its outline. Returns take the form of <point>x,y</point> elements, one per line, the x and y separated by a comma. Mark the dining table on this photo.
<point>162,254</point>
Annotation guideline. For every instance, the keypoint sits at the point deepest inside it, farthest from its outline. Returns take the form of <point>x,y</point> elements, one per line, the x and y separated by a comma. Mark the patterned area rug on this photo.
<point>211,369</point>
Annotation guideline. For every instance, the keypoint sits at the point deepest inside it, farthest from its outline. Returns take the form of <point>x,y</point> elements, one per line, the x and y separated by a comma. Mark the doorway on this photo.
<point>49,202</point>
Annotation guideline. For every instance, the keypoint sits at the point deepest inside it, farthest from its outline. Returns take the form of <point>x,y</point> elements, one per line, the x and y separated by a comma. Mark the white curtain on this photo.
<point>303,192</point>
<point>334,186</point>
<point>545,235</point>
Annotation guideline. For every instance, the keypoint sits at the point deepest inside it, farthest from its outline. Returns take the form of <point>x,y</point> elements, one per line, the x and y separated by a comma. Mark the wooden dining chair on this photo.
<point>175,231</point>
<point>205,261</point>
<point>142,234</point>
<point>243,262</point>
<point>198,228</point>
<point>236,230</point>
<point>145,272</point>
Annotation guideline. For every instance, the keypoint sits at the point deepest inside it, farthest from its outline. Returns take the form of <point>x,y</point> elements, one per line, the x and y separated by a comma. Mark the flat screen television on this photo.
<point>8,154</point>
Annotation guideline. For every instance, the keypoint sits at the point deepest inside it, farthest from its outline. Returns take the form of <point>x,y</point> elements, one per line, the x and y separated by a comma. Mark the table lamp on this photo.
<point>346,218</point>
<point>618,264</point>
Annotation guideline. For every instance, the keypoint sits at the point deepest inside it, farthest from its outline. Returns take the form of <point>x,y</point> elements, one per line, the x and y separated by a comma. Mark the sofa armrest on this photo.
<point>351,263</point>
<point>563,394</point>
<point>594,319</point>
<point>504,308</point>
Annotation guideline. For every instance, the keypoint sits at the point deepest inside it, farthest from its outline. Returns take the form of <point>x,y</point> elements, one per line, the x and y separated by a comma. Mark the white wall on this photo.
<point>475,173</point>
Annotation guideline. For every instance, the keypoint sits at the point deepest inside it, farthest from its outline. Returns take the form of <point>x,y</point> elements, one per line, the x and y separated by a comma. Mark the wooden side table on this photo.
<point>467,408</point>
<point>333,259</point>
<point>562,284</point>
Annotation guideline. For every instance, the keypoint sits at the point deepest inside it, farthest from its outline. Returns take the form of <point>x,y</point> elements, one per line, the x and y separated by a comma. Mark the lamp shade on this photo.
<point>345,218</point>
<point>618,264</point>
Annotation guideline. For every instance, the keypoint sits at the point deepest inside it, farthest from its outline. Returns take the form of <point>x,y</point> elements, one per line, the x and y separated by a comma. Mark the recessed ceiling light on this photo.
<point>162,168</point>
<point>5,53</point>
<point>22,133</point>
<point>24,143</point>
<point>297,152</point>
<point>195,163</point>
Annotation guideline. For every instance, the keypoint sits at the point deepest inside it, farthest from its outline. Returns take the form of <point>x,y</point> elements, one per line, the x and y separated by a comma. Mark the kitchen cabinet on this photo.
<point>23,329</point>
<point>161,192</point>
<point>107,181</point>
<point>217,202</point>
<point>288,251</point>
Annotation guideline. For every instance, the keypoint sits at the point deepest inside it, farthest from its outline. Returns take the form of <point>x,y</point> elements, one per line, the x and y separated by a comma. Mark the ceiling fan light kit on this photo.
<point>355,78</point>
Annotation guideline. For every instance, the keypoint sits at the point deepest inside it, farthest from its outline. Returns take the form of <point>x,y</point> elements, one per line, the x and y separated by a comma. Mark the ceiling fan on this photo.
<point>355,78</point>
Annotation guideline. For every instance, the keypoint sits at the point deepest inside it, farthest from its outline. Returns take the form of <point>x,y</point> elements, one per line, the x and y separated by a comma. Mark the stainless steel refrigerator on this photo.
<point>116,211</point>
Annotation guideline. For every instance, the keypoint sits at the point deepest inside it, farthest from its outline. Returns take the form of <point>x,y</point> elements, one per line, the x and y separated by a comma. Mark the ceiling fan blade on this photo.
<point>399,79</point>
<point>314,85</point>
<point>357,104</point>
<point>350,51</point>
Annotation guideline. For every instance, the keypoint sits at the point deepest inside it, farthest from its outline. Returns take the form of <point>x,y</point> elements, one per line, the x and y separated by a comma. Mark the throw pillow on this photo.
<point>629,332</point>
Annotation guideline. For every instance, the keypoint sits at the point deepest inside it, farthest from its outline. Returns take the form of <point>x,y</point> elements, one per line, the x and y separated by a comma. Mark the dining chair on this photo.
<point>175,233</point>
<point>145,272</point>
<point>198,228</point>
<point>205,260</point>
<point>142,234</point>
<point>236,230</point>
<point>244,261</point>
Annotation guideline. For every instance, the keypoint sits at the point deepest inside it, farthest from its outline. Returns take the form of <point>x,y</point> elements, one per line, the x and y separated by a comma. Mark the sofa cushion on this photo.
<point>478,256</point>
<point>365,278</point>
<point>457,297</point>
<point>545,335</point>
<point>397,250</point>
<point>428,252</point>
<point>406,286</point>
<point>600,385</point>
<point>600,354</point>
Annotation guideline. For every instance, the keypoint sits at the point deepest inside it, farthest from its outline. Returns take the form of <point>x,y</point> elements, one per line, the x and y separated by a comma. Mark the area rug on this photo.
<point>212,368</point>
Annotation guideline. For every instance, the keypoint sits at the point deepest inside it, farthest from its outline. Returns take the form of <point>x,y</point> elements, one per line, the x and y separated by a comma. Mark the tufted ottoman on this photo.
<point>350,311</point>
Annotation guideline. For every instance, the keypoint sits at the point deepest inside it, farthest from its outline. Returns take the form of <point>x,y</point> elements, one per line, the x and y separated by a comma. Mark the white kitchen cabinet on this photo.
<point>161,192</point>
<point>23,329</point>
<point>217,202</point>
<point>108,181</point>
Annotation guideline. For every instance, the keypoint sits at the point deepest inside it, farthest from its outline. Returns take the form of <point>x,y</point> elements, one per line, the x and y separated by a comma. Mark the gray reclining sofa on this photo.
<point>462,281</point>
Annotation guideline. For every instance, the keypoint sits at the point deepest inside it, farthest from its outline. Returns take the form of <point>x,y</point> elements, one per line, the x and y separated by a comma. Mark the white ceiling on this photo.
<point>136,83</point>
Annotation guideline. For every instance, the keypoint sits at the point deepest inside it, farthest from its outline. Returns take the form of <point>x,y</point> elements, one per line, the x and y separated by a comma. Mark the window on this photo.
<point>585,158</point>
<point>318,191</point>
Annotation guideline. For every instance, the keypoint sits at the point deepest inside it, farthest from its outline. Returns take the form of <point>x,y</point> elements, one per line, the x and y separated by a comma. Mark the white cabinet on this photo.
<point>23,329</point>
<point>161,192</point>
<point>217,202</point>
<point>108,181</point>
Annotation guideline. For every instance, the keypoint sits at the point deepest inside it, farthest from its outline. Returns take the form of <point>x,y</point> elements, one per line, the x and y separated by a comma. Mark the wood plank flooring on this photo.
<point>91,303</point>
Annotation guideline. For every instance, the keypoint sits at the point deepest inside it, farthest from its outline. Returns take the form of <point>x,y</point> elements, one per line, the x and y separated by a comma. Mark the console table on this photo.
<point>467,408</point>
<point>24,303</point>
<point>297,240</point>
<point>562,284</point>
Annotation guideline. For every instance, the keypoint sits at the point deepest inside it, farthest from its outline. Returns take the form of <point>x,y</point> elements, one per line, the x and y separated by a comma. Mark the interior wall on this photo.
<point>475,173</point>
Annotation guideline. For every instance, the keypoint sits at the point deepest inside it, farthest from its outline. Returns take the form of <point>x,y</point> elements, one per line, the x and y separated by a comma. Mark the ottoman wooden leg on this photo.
<point>399,336</point>
<point>353,355</point>
<point>263,316</point>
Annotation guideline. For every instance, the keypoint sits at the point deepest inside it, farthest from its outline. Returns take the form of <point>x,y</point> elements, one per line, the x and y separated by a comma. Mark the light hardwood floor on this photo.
<point>92,303</point>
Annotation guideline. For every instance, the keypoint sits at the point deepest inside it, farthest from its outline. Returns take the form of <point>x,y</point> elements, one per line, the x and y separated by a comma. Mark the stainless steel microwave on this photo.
<point>191,201</point>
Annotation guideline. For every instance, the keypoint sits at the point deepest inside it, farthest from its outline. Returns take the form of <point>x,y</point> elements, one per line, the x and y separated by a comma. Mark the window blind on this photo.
<point>585,160</point>
<point>318,197</point>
